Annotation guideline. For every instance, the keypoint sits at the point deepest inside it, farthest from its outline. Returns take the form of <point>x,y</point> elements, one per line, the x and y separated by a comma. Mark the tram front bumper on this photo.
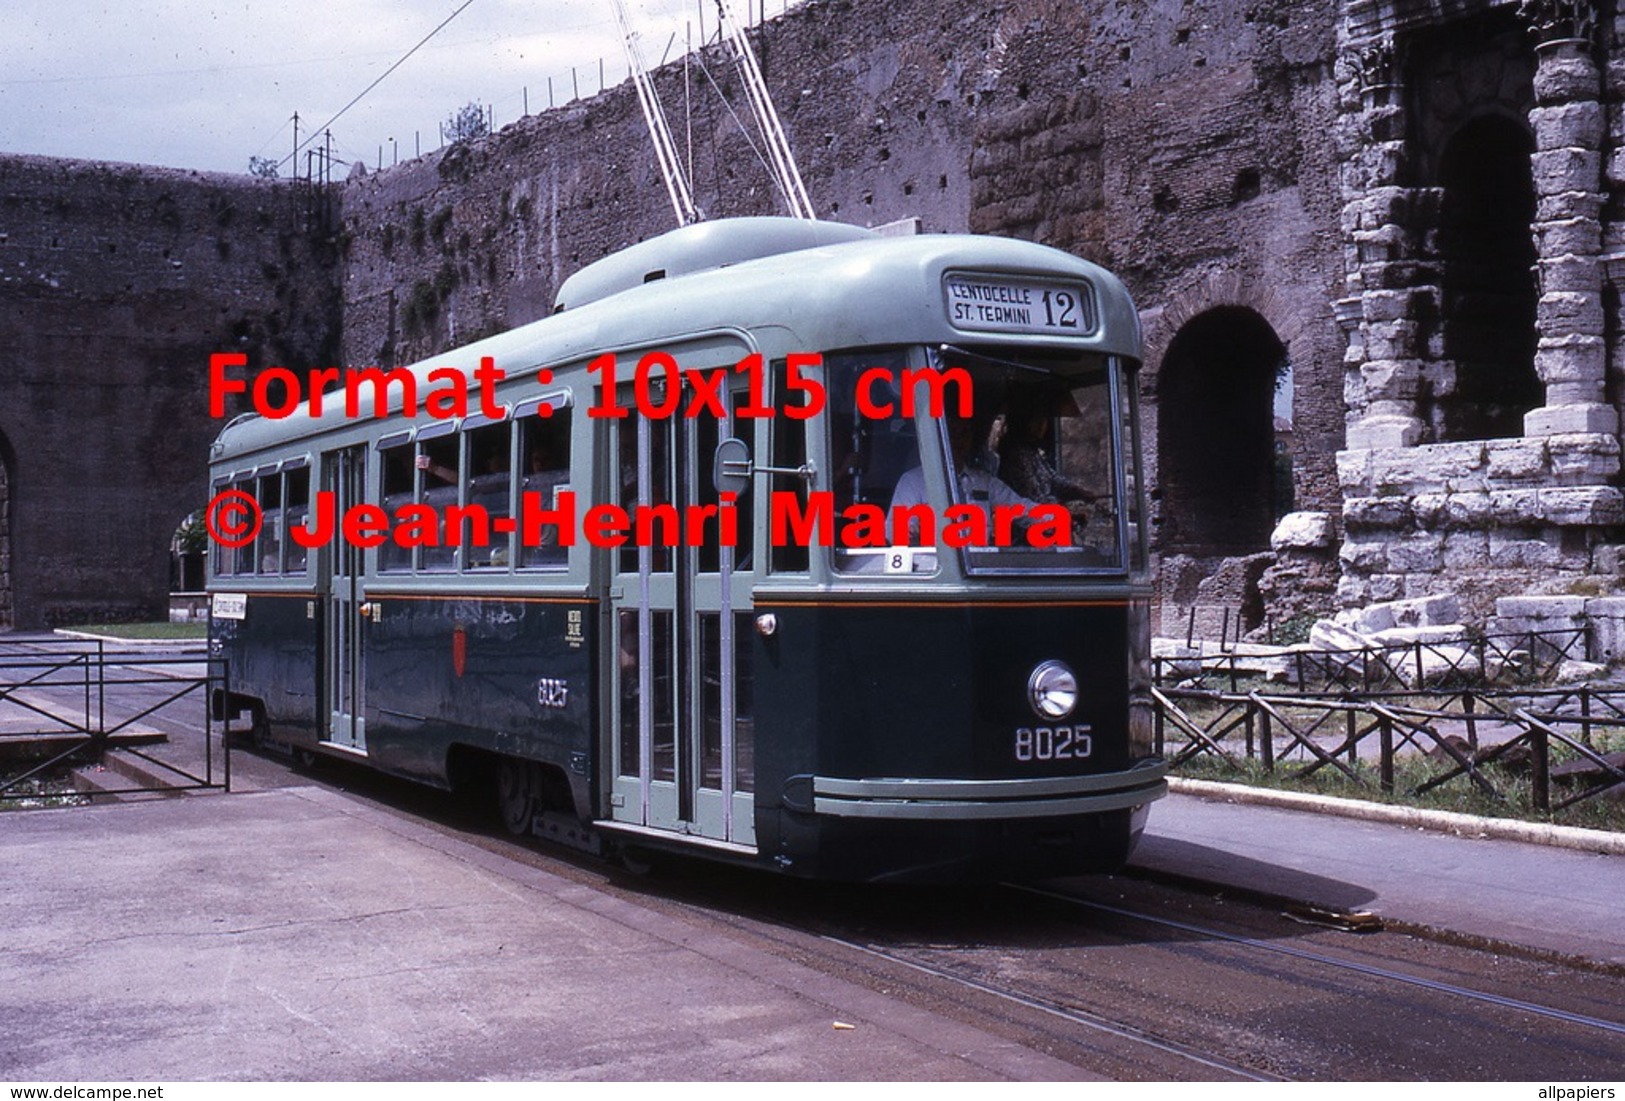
<point>979,800</point>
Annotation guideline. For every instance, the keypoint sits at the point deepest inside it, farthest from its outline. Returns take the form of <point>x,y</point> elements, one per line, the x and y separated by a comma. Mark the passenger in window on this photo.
<point>1025,453</point>
<point>444,473</point>
<point>1025,458</point>
<point>494,463</point>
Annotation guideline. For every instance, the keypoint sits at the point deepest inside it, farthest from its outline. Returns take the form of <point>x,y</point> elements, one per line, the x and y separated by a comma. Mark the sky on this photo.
<point>209,85</point>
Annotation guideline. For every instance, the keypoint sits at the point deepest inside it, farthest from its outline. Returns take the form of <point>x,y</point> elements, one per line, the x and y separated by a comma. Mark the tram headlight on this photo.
<point>1052,690</point>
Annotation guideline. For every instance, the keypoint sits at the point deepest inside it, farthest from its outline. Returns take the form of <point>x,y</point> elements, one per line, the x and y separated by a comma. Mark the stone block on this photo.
<point>1564,79</point>
<point>1422,553</point>
<point>1567,611</point>
<point>1568,273</point>
<point>1570,357</point>
<point>1581,506</point>
<point>1578,124</point>
<point>1576,236</point>
<point>1558,420</point>
<point>1364,557</point>
<point>1385,586</point>
<point>1566,170</point>
<point>1583,458</point>
<point>1302,531</point>
<point>1329,634</point>
<point>1608,560</point>
<point>1388,343</point>
<point>1380,306</point>
<point>1570,312</point>
<point>1578,672</point>
<point>1515,507</point>
<point>1524,554</point>
<point>1428,468</point>
<point>1428,509</point>
<point>1467,510</point>
<point>1605,616</point>
<point>1382,431</point>
<point>1572,204</point>
<point>1376,513</point>
<point>1512,462</point>
<point>1466,551</point>
<point>1354,473</point>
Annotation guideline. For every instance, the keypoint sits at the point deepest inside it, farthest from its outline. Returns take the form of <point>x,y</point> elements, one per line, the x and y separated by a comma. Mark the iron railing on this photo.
<point>72,707</point>
<point>1451,736</point>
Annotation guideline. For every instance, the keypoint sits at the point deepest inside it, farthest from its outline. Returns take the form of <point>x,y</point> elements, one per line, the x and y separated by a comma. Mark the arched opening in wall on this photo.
<point>1216,434</point>
<point>187,548</point>
<point>1487,256</point>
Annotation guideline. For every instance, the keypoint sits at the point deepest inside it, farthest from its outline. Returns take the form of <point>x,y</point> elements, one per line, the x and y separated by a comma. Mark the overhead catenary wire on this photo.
<point>380,79</point>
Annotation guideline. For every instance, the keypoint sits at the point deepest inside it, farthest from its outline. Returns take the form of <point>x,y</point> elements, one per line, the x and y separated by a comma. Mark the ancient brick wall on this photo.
<point>116,282</point>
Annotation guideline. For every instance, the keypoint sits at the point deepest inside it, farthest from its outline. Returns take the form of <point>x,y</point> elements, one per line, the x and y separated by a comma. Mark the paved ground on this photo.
<point>1534,896</point>
<point>297,934</point>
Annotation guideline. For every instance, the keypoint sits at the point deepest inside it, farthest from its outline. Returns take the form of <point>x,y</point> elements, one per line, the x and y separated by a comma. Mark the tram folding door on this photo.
<point>344,475</point>
<point>683,736</point>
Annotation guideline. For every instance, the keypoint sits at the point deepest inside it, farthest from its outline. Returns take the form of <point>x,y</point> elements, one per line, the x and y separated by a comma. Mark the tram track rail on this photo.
<point>1452,989</point>
<point>1070,1014</point>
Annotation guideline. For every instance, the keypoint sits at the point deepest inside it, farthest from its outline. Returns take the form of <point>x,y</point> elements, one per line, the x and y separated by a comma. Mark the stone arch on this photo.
<point>1216,433</point>
<point>1486,258</point>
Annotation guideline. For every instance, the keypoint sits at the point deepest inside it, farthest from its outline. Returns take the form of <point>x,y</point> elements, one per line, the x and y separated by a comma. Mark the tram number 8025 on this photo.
<point>1053,743</point>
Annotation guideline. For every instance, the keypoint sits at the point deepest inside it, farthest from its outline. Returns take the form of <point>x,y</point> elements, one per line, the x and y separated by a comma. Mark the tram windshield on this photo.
<point>1039,446</point>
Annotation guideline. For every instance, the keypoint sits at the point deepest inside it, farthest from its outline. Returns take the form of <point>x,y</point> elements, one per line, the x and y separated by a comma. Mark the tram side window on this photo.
<point>1134,475</point>
<point>544,444</point>
<point>399,477</point>
<point>225,558</point>
<point>269,550</point>
<point>490,493</point>
<point>243,556</point>
<point>440,463</point>
<point>662,490</point>
<point>871,457</point>
<point>789,445</point>
<point>295,511</point>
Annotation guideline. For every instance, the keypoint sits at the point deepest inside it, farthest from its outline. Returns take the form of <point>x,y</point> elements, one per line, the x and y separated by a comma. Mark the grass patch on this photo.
<point>51,790</point>
<point>146,630</point>
<point>1461,795</point>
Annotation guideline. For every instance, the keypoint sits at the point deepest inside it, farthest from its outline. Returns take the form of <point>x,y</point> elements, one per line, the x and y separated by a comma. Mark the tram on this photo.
<point>674,598</point>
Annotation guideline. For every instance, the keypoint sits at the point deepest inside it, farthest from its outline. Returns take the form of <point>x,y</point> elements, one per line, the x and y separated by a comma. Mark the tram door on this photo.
<point>684,730</point>
<point>344,476</point>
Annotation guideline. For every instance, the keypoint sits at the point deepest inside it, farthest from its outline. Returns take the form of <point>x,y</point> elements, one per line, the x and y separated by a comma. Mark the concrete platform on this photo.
<point>1531,896</point>
<point>298,934</point>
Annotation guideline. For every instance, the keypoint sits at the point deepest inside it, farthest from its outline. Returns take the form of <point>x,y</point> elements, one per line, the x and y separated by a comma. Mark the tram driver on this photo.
<point>975,470</point>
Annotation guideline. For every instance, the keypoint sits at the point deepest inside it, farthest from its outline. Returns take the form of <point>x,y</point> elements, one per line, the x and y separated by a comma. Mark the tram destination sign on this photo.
<point>996,303</point>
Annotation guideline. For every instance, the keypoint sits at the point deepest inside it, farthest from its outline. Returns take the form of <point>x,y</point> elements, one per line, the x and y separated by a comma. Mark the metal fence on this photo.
<point>92,721</point>
<point>1549,745</point>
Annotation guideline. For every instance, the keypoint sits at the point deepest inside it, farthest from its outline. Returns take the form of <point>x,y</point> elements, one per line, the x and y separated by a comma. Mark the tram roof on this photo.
<point>815,289</point>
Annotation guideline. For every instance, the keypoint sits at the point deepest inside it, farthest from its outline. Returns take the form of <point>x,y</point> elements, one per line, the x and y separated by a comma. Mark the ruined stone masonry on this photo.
<point>1482,453</point>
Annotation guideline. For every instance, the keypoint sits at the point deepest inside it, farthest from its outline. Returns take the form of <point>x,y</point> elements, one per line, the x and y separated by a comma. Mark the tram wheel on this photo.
<point>516,795</point>
<point>640,862</point>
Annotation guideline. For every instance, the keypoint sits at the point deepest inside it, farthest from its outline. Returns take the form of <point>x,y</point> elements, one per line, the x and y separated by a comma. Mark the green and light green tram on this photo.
<point>790,676</point>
